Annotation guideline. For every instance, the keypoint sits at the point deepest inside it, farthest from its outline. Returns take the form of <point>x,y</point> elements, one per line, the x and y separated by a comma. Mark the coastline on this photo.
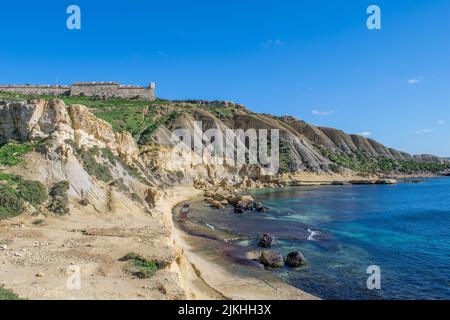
<point>203,278</point>
<point>37,255</point>
<point>223,284</point>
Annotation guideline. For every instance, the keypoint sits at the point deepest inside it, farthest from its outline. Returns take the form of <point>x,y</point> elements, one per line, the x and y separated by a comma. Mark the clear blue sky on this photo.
<point>314,59</point>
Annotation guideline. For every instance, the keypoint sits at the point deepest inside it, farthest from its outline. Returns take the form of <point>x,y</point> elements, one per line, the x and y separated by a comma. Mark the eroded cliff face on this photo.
<point>71,144</point>
<point>303,147</point>
<point>70,139</point>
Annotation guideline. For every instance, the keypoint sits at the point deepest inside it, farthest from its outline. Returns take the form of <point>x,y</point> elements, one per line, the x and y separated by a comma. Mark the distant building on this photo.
<point>89,89</point>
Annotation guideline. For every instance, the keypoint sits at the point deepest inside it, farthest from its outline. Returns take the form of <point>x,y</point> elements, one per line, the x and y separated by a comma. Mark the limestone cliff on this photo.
<point>71,143</point>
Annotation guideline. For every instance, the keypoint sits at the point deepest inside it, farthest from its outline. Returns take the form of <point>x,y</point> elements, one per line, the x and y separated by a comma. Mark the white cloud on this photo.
<point>424,131</point>
<point>440,122</point>
<point>414,81</point>
<point>321,113</point>
<point>365,133</point>
<point>270,43</point>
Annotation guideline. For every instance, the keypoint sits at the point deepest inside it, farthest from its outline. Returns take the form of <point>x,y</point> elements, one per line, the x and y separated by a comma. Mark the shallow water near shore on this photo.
<point>404,229</point>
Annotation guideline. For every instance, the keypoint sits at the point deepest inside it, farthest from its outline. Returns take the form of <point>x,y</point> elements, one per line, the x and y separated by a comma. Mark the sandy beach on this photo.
<point>36,259</point>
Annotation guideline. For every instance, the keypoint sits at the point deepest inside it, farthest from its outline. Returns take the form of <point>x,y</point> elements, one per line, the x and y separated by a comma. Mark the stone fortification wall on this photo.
<point>95,89</point>
<point>90,89</point>
<point>36,89</point>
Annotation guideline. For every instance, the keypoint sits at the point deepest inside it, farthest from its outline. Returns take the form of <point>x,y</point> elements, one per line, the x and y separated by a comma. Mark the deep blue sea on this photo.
<point>404,229</point>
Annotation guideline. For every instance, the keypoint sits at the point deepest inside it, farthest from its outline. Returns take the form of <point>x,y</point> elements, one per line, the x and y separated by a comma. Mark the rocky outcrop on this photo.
<point>18,119</point>
<point>266,240</point>
<point>295,259</point>
<point>63,136</point>
<point>271,259</point>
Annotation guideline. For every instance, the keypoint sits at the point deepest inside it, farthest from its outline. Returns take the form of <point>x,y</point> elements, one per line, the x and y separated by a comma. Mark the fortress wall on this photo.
<point>95,89</point>
<point>36,90</point>
<point>105,90</point>
<point>133,92</point>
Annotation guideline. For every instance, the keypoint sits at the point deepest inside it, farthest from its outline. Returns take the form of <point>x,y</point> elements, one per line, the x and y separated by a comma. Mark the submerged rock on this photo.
<point>271,259</point>
<point>242,207</point>
<point>266,241</point>
<point>295,259</point>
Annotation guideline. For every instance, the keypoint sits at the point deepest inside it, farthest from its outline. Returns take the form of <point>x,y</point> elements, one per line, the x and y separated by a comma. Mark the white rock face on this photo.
<point>40,119</point>
<point>66,130</point>
<point>18,119</point>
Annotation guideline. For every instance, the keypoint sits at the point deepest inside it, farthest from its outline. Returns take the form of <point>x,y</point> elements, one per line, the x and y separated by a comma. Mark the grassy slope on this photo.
<point>360,162</point>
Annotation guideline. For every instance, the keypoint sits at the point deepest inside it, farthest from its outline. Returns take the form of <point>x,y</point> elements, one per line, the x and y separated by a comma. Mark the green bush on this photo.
<point>165,120</point>
<point>108,155</point>
<point>32,191</point>
<point>14,191</point>
<point>60,200</point>
<point>139,266</point>
<point>94,168</point>
<point>11,153</point>
<point>5,176</point>
<point>60,189</point>
<point>11,204</point>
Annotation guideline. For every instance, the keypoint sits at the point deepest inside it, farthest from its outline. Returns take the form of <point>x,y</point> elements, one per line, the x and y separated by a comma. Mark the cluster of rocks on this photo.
<point>216,103</point>
<point>273,259</point>
<point>27,255</point>
<point>378,181</point>
<point>241,203</point>
<point>244,182</point>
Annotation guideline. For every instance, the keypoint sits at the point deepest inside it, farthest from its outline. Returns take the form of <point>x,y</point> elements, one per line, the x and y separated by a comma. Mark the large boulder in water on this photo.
<point>271,259</point>
<point>295,259</point>
<point>242,207</point>
<point>266,241</point>
<point>246,203</point>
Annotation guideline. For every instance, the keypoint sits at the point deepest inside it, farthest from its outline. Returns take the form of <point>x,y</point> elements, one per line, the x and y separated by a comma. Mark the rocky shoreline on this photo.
<point>223,196</point>
<point>225,269</point>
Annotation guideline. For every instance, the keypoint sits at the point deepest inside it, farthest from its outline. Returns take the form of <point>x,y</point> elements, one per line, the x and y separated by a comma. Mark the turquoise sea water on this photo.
<point>404,229</point>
